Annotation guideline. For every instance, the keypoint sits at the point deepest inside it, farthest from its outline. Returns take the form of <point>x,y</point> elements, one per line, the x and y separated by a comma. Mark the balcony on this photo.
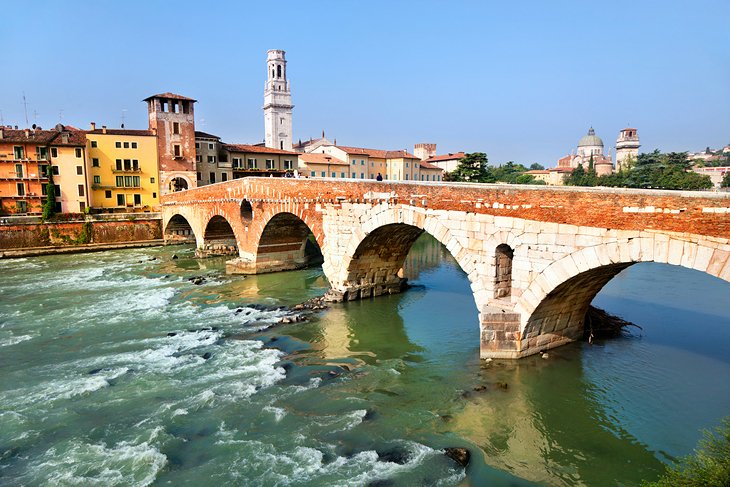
<point>22,176</point>
<point>126,169</point>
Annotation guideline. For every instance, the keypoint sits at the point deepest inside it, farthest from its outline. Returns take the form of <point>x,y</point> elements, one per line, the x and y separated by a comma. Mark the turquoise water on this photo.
<point>115,369</point>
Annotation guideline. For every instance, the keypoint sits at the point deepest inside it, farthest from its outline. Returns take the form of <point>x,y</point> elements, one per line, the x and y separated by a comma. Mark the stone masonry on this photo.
<point>564,243</point>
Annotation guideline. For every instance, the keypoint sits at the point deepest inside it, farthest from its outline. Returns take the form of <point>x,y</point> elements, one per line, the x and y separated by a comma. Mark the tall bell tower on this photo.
<point>627,147</point>
<point>277,103</point>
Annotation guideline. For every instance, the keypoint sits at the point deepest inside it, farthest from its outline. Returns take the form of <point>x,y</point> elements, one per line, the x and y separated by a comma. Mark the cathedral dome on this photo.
<point>590,140</point>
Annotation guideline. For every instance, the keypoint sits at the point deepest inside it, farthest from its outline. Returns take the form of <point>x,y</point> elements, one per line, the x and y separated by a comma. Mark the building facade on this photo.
<point>124,169</point>
<point>277,103</point>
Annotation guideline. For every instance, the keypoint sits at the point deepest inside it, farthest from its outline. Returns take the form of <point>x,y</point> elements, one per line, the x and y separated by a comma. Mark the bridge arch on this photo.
<point>553,307</point>
<point>218,238</point>
<point>375,251</point>
<point>285,244</point>
<point>179,230</point>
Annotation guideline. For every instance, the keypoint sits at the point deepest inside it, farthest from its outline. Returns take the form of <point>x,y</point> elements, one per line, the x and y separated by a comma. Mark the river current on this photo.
<point>116,369</point>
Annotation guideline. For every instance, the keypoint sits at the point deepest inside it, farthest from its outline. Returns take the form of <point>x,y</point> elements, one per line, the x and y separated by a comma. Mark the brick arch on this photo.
<point>179,229</point>
<point>553,306</point>
<point>276,238</point>
<point>207,247</point>
<point>191,215</point>
<point>401,224</point>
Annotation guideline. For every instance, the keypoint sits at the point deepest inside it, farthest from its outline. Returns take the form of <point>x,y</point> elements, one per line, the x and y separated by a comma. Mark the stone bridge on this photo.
<point>535,256</point>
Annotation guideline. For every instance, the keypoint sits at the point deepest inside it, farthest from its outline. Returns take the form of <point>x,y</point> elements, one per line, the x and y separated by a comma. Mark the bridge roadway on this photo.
<point>535,256</point>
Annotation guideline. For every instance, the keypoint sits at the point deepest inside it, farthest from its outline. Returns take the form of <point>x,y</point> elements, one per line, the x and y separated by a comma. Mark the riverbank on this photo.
<point>77,249</point>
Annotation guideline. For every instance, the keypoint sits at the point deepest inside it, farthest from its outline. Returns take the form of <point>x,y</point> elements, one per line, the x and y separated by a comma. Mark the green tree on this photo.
<point>708,466</point>
<point>49,206</point>
<point>580,177</point>
<point>536,167</point>
<point>725,180</point>
<point>472,168</point>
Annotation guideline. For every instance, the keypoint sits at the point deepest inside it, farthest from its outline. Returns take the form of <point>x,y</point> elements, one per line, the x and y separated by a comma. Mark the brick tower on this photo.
<point>627,147</point>
<point>171,118</point>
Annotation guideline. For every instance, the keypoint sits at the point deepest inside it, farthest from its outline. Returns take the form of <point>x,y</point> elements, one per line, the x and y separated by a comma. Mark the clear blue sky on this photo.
<point>520,81</point>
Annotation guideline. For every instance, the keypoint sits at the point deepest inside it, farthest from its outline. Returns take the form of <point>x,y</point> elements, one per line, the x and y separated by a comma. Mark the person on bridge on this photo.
<point>379,177</point>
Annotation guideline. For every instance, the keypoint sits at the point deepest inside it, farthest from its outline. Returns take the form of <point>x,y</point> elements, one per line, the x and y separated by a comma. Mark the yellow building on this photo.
<point>123,168</point>
<point>70,170</point>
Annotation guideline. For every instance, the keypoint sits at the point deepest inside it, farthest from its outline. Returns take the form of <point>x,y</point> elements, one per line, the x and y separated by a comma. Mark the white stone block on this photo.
<point>647,248</point>
<point>676,249</point>
<point>702,258</point>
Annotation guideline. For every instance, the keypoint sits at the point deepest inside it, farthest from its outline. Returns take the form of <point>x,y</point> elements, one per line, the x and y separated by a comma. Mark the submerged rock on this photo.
<point>207,355</point>
<point>394,455</point>
<point>459,455</point>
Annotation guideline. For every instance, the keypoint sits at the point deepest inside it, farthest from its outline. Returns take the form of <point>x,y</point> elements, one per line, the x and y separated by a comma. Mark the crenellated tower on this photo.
<point>277,103</point>
<point>627,147</point>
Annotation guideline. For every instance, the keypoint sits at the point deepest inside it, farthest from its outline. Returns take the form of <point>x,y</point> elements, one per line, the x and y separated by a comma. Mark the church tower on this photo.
<point>277,103</point>
<point>627,147</point>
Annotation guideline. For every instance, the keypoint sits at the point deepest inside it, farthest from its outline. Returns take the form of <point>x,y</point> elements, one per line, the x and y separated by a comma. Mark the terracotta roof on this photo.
<point>257,149</point>
<point>538,171</point>
<point>204,135</point>
<point>428,165</point>
<point>319,158</point>
<point>76,137</point>
<point>120,132</point>
<point>445,157</point>
<point>171,96</point>
<point>382,154</point>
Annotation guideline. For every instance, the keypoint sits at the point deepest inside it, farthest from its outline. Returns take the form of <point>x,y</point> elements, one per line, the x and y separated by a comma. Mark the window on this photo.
<point>269,164</point>
<point>212,178</point>
<point>21,207</point>
<point>334,174</point>
<point>18,170</point>
<point>137,200</point>
<point>118,145</point>
<point>210,146</point>
<point>57,190</point>
<point>126,145</point>
<point>54,152</point>
<point>119,164</point>
<point>342,175</point>
<point>224,177</point>
<point>252,163</point>
<point>324,174</point>
<point>120,181</point>
<point>154,195</point>
<point>41,153</point>
<point>362,175</point>
<point>79,170</point>
<point>406,177</point>
<point>314,174</point>
<point>134,145</point>
<point>176,128</point>
<point>81,190</point>
<point>152,180</point>
<point>288,164</point>
<point>406,164</point>
<point>94,144</point>
<point>44,190</point>
<point>21,189</point>
<point>362,162</point>
<point>199,178</point>
<point>120,200</point>
<point>197,145</point>
<point>354,175</point>
<point>95,162</point>
<point>78,152</point>
<point>107,194</point>
<point>354,162</point>
<point>18,152</point>
<point>237,162</point>
<point>176,150</point>
<point>82,206</point>
<point>97,179</point>
<point>198,158</point>
<point>127,164</point>
<point>211,159</point>
<point>44,171</point>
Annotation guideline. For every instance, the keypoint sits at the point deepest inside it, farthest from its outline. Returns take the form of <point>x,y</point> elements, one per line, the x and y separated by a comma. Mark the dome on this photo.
<point>590,140</point>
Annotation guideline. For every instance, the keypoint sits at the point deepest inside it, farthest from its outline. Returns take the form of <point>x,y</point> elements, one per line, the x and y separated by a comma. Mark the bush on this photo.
<point>708,466</point>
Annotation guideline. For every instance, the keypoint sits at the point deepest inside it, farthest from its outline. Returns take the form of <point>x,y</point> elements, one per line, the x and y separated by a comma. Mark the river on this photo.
<point>116,369</point>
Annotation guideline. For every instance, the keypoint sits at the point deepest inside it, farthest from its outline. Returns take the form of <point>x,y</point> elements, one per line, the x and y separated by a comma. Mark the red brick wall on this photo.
<point>20,236</point>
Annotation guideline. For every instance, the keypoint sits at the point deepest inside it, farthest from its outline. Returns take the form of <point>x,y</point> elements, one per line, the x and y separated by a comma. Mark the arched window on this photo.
<point>503,271</point>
